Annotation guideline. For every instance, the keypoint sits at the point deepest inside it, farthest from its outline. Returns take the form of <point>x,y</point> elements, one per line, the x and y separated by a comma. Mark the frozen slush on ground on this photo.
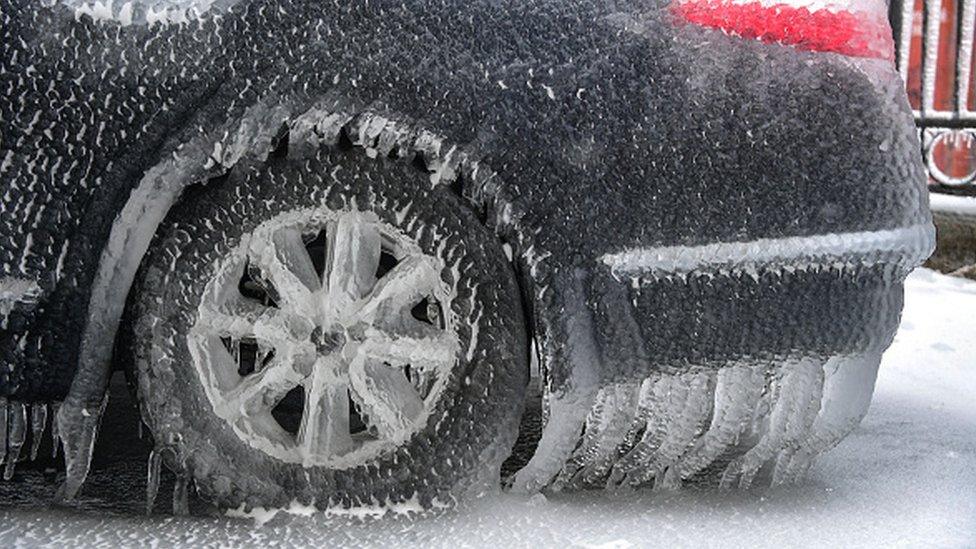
<point>327,241</point>
<point>903,477</point>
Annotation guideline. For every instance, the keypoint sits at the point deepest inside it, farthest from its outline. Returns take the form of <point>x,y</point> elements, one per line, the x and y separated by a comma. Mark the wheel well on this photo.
<point>420,151</point>
<point>443,163</point>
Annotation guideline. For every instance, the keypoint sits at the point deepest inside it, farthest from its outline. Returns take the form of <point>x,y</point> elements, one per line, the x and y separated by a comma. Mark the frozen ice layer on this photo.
<point>709,260</point>
<point>857,28</point>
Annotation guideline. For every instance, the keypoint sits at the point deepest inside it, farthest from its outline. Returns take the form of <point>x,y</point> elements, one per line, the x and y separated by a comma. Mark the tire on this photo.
<point>471,400</point>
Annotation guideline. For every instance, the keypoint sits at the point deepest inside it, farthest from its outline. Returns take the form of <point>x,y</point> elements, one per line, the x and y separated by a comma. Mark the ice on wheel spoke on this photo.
<point>342,335</point>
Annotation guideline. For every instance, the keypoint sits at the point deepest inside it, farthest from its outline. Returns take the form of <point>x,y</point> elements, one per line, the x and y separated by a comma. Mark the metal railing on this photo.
<point>935,58</point>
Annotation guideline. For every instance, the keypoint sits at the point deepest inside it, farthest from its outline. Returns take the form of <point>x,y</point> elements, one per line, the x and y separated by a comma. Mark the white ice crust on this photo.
<point>797,252</point>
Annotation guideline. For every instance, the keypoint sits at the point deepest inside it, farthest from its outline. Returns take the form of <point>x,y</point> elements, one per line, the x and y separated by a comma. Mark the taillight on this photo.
<point>859,28</point>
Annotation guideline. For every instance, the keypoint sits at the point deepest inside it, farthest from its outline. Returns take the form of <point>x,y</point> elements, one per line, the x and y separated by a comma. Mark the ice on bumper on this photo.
<point>723,362</point>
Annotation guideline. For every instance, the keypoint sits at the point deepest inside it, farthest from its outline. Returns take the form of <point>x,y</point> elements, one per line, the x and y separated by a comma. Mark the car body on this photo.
<point>675,198</point>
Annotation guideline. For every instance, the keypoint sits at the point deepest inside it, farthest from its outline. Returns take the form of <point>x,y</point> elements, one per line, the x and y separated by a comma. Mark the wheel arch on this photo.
<point>265,129</point>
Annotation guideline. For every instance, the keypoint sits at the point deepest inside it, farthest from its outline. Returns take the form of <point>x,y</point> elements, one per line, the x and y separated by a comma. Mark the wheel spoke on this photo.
<point>286,263</point>
<point>223,367</point>
<point>291,251</point>
<point>387,397</point>
<point>403,287</point>
<point>278,319</point>
<point>324,430</point>
<point>244,318</point>
<point>433,350</point>
<point>353,258</point>
<point>262,390</point>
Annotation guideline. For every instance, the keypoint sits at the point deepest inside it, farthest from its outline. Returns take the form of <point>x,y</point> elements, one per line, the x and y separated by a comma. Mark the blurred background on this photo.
<point>937,60</point>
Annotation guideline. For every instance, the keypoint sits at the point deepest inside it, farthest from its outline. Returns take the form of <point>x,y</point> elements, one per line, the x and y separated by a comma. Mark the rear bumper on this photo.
<point>768,299</point>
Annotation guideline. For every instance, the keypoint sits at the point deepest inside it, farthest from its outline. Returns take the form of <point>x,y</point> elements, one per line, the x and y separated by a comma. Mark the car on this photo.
<point>351,253</point>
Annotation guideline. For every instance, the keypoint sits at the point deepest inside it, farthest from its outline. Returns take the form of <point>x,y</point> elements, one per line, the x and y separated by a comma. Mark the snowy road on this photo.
<point>906,477</point>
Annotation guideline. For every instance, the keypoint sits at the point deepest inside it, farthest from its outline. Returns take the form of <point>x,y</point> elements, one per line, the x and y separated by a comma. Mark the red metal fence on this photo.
<point>937,60</point>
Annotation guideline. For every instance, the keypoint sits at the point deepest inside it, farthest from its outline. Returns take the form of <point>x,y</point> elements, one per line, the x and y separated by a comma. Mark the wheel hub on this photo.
<point>325,302</point>
<point>327,342</point>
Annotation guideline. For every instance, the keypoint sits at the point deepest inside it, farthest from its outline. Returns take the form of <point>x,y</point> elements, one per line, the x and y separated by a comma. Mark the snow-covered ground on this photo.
<point>906,477</point>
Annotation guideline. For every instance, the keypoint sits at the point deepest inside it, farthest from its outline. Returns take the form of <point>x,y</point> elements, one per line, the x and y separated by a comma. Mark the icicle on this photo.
<point>55,430</point>
<point>658,400</point>
<point>606,427</point>
<point>737,393</point>
<point>3,429</point>
<point>848,386</point>
<point>78,429</point>
<point>796,404</point>
<point>683,431</point>
<point>16,433</point>
<point>181,498</point>
<point>152,479</point>
<point>38,423</point>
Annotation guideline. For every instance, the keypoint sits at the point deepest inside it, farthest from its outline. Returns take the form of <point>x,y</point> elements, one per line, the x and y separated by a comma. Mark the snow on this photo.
<point>947,203</point>
<point>905,477</point>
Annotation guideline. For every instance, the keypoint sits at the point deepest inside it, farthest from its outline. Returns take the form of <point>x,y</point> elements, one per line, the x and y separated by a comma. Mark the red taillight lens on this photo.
<point>857,32</point>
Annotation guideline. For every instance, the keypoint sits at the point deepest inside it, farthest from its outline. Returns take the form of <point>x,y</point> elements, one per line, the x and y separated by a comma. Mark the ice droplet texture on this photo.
<point>766,230</point>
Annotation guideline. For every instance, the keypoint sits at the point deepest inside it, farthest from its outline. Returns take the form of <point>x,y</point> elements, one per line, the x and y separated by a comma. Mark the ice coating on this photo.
<point>3,430</point>
<point>343,331</point>
<point>16,436</point>
<point>153,471</point>
<point>38,424</point>
<point>546,135</point>
<point>858,28</point>
<point>128,12</point>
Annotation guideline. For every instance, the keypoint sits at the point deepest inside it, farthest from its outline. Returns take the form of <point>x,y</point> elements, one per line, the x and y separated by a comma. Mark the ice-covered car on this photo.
<point>335,242</point>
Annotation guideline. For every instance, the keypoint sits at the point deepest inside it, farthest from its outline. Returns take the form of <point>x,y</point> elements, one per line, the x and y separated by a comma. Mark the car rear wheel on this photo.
<point>331,331</point>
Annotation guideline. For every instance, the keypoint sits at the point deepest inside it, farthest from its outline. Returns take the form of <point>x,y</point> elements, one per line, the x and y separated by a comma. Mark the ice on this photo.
<point>16,291</point>
<point>38,424</point>
<point>848,386</point>
<point>647,428</point>
<point>154,470</point>
<point>567,409</point>
<point>869,247</point>
<point>606,427</point>
<point>3,430</point>
<point>738,390</point>
<point>904,477</point>
<point>128,12</point>
<point>55,429</point>
<point>78,429</point>
<point>963,206</point>
<point>658,451</point>
<point>796,401</point>
<point>181,498</point>
<point>690,414</point>
<point>131,233</point>
<point>16,435</point>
